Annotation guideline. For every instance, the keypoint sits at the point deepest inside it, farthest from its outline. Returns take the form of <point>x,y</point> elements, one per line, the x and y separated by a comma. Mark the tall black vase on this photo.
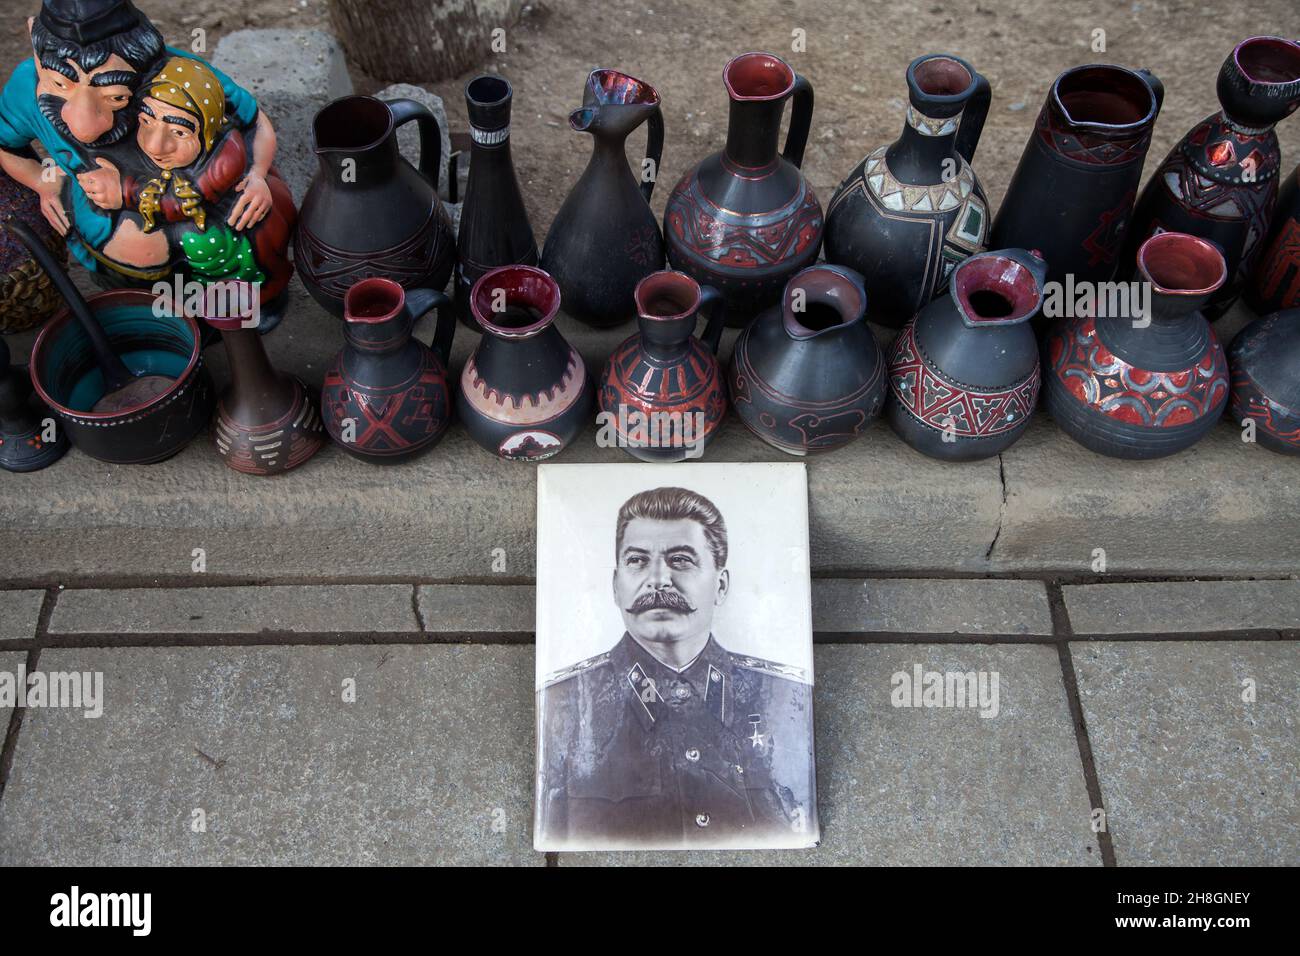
<point>494,227</point>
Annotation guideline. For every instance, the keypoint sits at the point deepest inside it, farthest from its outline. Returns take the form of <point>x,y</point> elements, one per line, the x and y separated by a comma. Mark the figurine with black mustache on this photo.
<point>668,739</point>
<point>78,96</point>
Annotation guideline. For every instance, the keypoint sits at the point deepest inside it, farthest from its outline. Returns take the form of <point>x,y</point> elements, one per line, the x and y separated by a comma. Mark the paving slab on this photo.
<point>353,608</point>
<point>1178,607</point>
<point>292,73</point>
<point>933,787</point>
<point>1191,774</point>
<point>931,606</point>
<point>471,609</point>
<point>19,613</point>
<point>432,764</point>
<point>10,662</point>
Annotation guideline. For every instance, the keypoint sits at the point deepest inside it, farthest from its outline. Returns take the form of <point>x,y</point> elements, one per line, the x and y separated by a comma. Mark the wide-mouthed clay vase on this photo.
<point>386,398</point>
<point>661,392</point>
<point>964,375</point>
<point>524,392</point>
<point>806,375</point>
<point>1072,195</point>
<point>23,433</point>
<point>27,296</point>
<point>368,212</point>
<point>1264,360</point>
<point>605,239</point>
<point>1220,181</point>
<point>266,421</point>
<point>494,227</point>
<point>1274,284</point>
<point>913,209</point>
<point>744,220</point>
<point>1145,386</point>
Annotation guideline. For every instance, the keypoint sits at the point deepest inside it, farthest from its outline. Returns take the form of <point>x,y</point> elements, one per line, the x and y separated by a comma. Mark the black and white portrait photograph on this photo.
<point>674,658</point>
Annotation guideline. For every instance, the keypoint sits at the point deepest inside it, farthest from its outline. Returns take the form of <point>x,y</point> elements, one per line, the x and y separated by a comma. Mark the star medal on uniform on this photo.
<point>757,737</point>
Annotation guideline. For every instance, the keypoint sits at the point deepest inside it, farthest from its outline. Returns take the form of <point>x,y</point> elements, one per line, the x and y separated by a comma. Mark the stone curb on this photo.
<point>1177,607</point>
<point>359,608</point>
<point>19,613</point>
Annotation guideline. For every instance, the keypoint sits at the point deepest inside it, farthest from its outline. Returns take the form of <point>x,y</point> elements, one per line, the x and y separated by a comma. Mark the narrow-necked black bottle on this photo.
<point>494,227</point>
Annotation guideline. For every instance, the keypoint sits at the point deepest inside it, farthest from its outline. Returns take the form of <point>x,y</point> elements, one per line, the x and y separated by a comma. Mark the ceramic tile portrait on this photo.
<point>674,674</point>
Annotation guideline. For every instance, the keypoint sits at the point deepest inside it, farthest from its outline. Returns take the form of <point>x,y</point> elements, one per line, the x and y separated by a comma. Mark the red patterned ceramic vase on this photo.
<point>745,220</point>
<point>661,392</point>
<point>1220,181</point>
<point>1275,283</point>
<point>386,397</point>
<point>1145,385</point>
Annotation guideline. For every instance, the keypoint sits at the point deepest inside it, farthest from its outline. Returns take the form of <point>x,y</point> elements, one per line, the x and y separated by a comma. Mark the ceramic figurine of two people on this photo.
<point>164,163</point>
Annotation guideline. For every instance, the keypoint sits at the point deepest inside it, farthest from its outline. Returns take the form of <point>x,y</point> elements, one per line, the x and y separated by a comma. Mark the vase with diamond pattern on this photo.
<point>386,397</point>
<point>1072,195</point>
<point>1136,385</point>
<point>964,374</point>
<point>1274,283</point>
<point>745,220</point>
<point>912,210</point>
<point>1221,181</point>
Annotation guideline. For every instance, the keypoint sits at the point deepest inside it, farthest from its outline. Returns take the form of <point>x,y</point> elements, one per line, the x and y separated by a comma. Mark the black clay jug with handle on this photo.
<point>744,220</point>
<point>368,212</point>
<point>911,210</point>
<point>604,240</point>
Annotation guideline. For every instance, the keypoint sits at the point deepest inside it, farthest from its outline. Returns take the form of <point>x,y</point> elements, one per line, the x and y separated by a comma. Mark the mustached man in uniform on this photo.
<point>668,739</point>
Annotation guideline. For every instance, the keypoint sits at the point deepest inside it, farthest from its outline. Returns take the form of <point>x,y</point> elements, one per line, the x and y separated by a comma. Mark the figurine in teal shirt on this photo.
<point>89,59</point>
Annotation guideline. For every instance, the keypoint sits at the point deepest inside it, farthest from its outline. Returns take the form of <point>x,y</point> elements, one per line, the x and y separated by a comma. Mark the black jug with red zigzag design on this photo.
<point>964,374</point>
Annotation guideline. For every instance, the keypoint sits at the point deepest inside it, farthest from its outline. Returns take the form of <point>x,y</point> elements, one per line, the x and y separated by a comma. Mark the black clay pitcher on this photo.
<point>494,227</point>
<point>1072,195</point>
<point>744,220</point>
<point>807,375</point>
<point>964,375</point>
<point>913,209</point>
<point>604,240</point>
<point>386,398</point>
<point>368,212</point>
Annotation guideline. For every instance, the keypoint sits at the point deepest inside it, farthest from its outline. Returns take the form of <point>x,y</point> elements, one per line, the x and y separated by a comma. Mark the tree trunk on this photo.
<point>421,41</point>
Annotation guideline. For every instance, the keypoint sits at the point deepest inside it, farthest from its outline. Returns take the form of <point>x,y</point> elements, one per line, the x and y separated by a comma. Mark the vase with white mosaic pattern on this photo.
<point>912,210</point>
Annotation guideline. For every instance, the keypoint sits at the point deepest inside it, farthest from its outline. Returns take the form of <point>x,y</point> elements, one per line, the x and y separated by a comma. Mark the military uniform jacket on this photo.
<point>632,753</point>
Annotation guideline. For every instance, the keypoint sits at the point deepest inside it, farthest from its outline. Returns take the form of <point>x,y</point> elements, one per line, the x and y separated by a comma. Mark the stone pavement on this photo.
<point>226,736</point>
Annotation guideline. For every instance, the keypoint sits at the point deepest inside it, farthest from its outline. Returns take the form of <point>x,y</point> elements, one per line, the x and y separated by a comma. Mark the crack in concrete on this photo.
<point>415,607</point>
<point>1002,509</point>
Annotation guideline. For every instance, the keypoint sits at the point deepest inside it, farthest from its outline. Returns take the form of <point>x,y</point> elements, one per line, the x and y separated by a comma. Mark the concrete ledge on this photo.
<point>365,608</point>
<point>927,606</point>
<point>875,505</point>
<point>1181,607</point>
<point>1191,774</point>
<point>19,612</point>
